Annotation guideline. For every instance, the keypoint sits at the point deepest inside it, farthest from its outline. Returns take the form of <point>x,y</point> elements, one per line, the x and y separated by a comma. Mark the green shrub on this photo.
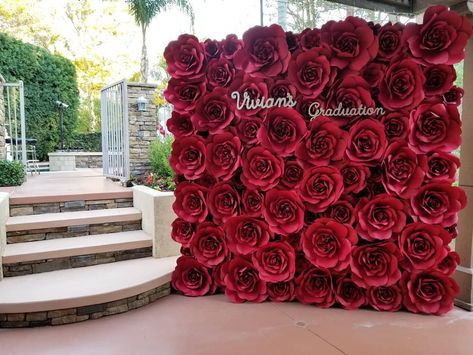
<point>85,142</point>
<point>159,156</point>
<point>47,78</point>
<point>12,173</point>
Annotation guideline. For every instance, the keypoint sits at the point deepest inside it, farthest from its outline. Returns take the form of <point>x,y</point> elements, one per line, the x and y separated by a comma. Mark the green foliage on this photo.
<point>47,78</point>
<point>85,142</point>
<point>12,173</point>
<point>159,156</point>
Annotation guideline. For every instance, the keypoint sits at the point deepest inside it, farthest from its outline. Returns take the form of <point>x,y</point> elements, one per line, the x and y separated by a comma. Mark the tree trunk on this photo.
<point>144,57</point>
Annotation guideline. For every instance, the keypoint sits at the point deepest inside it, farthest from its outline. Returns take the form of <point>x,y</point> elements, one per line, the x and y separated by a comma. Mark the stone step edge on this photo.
<point>80,314</point>
<point>34,199</point>
<point>67,247</point>
<point>65,219</point>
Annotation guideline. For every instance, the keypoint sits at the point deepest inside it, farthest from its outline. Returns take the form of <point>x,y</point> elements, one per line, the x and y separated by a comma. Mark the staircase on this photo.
<point>77,257</point>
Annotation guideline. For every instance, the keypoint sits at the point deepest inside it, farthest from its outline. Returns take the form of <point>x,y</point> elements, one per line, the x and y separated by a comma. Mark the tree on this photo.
<point>144,11</point>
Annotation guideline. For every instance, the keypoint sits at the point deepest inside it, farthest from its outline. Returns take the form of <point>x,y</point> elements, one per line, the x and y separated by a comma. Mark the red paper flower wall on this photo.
<point>353,210</point>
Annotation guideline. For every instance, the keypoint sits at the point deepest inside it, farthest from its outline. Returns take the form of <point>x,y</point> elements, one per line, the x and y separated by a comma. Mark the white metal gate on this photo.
<point>15,126</point>
<point>114,115</point>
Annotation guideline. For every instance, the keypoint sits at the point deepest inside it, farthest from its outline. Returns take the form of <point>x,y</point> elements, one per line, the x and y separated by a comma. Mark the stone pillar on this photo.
<point>464,241</point>
<point>2,121</point>
<point>141,127</point>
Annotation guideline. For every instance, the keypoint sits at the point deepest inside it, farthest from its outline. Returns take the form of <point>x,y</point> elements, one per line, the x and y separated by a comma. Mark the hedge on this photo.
<point>12,173</point>
<point>47,78</point>
<point>85,142</point>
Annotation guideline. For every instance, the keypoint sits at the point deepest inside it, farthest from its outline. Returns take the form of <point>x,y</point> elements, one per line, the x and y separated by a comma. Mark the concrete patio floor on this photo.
<point>65,186</point>
<point>214,326</point>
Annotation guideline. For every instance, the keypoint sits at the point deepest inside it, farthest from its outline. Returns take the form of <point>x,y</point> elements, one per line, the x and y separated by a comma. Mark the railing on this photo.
<point>115,145</point>
<point>15,126</point>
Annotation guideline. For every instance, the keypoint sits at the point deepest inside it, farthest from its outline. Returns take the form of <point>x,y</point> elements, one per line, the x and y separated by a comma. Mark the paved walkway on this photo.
<point>64,186</point>
<point>214,326</point>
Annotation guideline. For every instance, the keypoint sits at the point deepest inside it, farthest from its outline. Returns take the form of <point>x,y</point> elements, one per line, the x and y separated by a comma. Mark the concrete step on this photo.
<point>74,295</point>
<point>56,220</point>
<point>65,253</point>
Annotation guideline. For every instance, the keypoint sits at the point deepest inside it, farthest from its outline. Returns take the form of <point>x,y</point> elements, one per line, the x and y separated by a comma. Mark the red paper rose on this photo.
<point>282,129</point>
<point>292,41</point>
<point>402,86</point>
<point>375,264</point>
<point>325,142</point>
<point>190,202</point>
<point>380,217</point>
<point>385,298</point>
<point>309,38</point>
<point>243,282</point>
<point>247,129</point>
<point>423,246</point>
<point>284,291</point>
<point>442,167</point>
<point>223,202</point>
<point>261,169</point>
<point>429,292</point>
<point>310,71</point>
<point>366,141</point>
<point>252,201</point>
<point>396,124</point>
<point>213,112</point>
<point>449,264</point>
<point>246,234</point>
<point>220,73</point>
<point>352,42</point>
<point>212,48</point>
<point>390,40</point>
<point>315,286</point>
<point>348,294</point>
<point>292,174</point>
<point>230,46</point>
<point>328,244</point>
<point>208,245</point>
<point>180,125</point>
<point>342,212</point>
<point>435,127</point>
<point>439,79</point>
<point>191,278</point>
<point>275,262</point>
<point>320,187</point>
<point>403,170</point>
<point>442,37</point>
<point>188,157</point>
<point>183,95</point>
<point>264,52</point>
<point>284,211</point>
<point>454,96</point>
<point>438,203</point>
<point>354,176</point>
<point>223,155</point>
<point>182,231</point>
<point>185,57</point>
<point>281,89</point>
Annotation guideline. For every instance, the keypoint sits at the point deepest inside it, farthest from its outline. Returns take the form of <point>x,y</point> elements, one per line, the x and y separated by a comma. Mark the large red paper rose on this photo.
<point>390,40</point>
<point>366,141</point>
<point>213,112</point>
<point>438,203</point>
<point>403,170</point>
<point>342,212</point>
<point>281,89</point>
<point>264,52</point>
<point>261,169</point>
<point>292,175</point>
<point>423,246</point>
<point>220,73</point>
<point>281,291</point>
<point>223,155</point>
<point>230,46</point>
<point>223,202</point>
<point>439,79</point>
<point>449,264</point>
<point>402,86</point>
<point>355,176</point>
<point>328,244</point>
<point>180,125</point>
<point>375,264</point>
<point>243,282</point>
<point>396,124</point>
<point>352,42</point>
<point>429,292</point>
<point>385,298</point>
<point>454,96</point>
<point>183,95</point>
<point>182,231</point>
<point>309,38</point>
<point>275,262</point>
<point>247,129</point>
<point>442,167</point>
<point>208,245</point>
<point>435,127</point>
<point>188,157</point>
<point>380,217</point>
<point>284,211</point>
<point>246,234</point>
<point>315,286</point>
<point>325,142</point>
<point>190,202</point>
<point>349,294</point>
<point>253,202</point>
<point>191,277</point>
<point>185,57</point>
<point>442,37</point>
<point>282,129</point>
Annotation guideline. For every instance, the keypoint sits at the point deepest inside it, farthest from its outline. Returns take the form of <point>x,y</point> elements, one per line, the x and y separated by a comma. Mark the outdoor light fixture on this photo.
<point>142,102</point>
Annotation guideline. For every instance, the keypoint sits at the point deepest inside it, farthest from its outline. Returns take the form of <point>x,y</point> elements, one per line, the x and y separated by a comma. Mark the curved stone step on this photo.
<point>72,295</point>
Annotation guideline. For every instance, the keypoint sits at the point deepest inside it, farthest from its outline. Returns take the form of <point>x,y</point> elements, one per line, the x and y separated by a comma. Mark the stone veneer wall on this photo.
<point>2,121</point>
<point>141,127</point>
